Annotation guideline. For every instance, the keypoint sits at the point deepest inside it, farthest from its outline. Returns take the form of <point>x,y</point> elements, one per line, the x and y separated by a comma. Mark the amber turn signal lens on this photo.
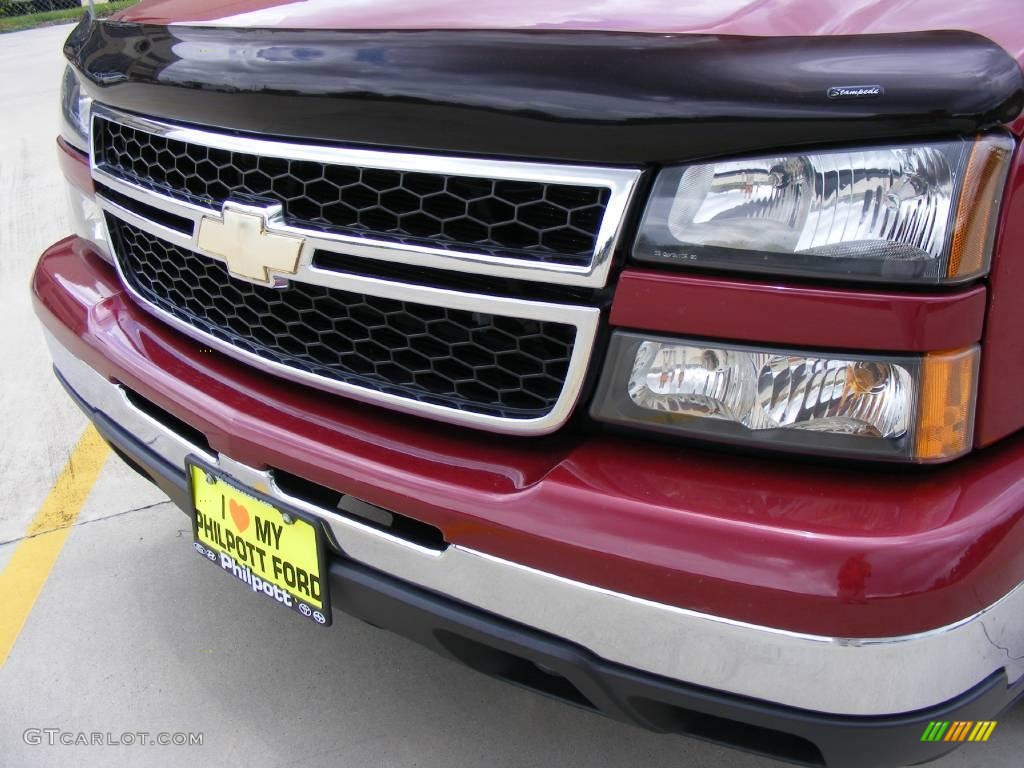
<point>914,408</point>
<point>946,404</point>
<point>979,200</point>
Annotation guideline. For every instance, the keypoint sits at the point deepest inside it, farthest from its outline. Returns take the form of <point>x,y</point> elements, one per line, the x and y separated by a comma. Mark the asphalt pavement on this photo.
<point>131,633</point>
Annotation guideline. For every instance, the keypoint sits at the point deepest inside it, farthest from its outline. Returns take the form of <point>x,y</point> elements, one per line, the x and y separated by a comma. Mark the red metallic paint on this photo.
<point>1000,404</point>
<point>781,314</point>
<point>75,166</point>
<point>855,552</point>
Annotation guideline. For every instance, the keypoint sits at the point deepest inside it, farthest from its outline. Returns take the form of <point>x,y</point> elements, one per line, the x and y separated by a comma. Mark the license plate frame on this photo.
<point>213,549</point>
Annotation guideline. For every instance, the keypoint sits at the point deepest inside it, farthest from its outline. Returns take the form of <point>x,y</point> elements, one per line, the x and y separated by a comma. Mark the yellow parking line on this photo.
<point>30,564</point>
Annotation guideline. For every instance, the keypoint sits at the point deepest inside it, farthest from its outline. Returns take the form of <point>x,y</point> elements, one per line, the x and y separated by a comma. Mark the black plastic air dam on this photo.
<point>578,96</point>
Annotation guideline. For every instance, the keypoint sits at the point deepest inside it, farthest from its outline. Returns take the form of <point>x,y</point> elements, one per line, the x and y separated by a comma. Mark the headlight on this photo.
<point>921,213</point>
<point>917,408</point>
<point>75,121</point>
<point>88,222</point>
<point>75,111</point>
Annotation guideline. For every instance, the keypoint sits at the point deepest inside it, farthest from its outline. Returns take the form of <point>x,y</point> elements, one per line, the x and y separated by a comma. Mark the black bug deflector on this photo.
<point>584,96</point>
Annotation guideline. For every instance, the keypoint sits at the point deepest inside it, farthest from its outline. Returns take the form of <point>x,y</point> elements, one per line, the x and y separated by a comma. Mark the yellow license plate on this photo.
<point>275,552</point>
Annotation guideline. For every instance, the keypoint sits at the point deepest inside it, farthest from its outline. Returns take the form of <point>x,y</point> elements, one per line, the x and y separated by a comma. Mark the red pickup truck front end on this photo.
<point>668,369</point>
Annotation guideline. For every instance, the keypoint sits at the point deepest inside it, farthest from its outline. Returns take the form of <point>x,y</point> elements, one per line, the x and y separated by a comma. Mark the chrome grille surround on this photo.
<point>619,182</point>
<point>469,361</point>
<point>530,220</point>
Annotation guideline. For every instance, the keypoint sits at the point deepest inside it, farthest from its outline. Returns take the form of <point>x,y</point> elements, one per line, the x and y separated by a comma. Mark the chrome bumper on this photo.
<point>833,675</point>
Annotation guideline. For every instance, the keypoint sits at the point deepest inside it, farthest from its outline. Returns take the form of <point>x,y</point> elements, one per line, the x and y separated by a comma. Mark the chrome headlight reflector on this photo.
<point>922,213</point>
<point>917,408</point>
<point>75,111</point>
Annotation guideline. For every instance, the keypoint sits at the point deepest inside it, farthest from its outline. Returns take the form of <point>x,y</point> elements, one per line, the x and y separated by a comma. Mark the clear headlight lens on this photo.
<point>75,111</point>
<point>918,408</point>
<point>75,128</point>
<point>921,213</point>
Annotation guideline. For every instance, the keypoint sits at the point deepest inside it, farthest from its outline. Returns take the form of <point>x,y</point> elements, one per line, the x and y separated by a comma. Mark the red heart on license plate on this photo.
<point>239,514</point>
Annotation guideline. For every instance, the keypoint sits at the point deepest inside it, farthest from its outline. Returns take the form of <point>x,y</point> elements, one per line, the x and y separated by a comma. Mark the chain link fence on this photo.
<point>9,8</point>
<point>22,14</point>
<point>24,7</point>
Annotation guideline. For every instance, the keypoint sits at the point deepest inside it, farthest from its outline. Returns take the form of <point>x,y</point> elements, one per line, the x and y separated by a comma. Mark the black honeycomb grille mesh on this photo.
<point>532,220</point>
<point>487,364</point>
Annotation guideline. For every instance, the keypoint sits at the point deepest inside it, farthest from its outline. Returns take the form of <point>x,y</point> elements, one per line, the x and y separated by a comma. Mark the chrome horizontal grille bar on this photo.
<point>527,221</point>
<point>457,354</point>
<point>482,363</point>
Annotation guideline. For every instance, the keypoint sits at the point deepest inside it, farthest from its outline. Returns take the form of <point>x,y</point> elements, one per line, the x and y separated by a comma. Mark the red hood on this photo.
<point>999,20</point>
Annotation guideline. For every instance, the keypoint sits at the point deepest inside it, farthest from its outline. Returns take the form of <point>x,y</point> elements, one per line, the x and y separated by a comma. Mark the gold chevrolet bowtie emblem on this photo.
<point>241,239</point>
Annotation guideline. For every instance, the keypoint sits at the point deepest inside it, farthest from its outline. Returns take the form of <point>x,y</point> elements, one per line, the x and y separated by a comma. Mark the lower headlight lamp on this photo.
<point>917,408</point>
